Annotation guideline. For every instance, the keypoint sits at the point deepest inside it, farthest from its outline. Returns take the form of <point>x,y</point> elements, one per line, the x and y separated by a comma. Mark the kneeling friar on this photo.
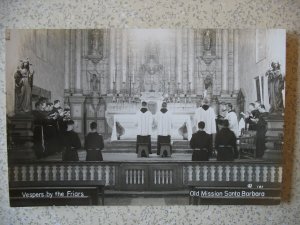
<point>201,144</point>
<point>93,144</point>
<point>164,126</point>
<point>144,127</point>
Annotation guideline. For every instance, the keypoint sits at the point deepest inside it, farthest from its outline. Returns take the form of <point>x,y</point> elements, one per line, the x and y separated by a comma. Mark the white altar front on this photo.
<point>125,115</point>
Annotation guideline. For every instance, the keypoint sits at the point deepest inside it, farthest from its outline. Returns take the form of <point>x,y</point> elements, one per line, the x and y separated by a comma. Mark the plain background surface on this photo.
<point>166,14</point>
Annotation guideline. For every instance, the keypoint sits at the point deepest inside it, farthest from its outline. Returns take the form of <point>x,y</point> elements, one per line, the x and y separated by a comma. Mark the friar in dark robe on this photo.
<point>93,144</point>
<point>71,143</point>
<point>251,117</point>
<point>225,144</point>
<point>39,131</point>
<point>51,134</point>
<point>261,132</point>
<point>201,144</point>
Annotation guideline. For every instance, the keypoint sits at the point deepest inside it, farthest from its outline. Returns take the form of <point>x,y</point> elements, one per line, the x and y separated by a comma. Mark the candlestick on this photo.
<point>133,76</point>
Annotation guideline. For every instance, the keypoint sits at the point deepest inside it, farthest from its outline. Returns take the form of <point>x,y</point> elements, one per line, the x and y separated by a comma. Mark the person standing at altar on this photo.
<point>206,114</point>
<point>164,126</point>
<point>232,119</point>
<point>144,126</point>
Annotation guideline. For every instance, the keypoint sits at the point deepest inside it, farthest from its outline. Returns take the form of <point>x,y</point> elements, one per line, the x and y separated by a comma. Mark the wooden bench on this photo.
<point>59,193</point>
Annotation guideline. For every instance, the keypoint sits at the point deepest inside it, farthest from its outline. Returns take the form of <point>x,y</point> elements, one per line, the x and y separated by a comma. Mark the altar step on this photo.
<point>130,147</point>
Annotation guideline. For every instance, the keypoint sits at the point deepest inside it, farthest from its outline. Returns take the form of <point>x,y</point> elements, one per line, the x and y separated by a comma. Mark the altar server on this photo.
<point>144,126</point>
<point>232,119</point>
<point>164,126</point>
<point>206,114</point>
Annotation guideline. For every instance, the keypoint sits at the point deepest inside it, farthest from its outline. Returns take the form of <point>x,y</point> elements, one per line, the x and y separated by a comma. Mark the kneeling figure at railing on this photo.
<point>164,127</point>
<point>225,144</point>
<point>144,128</point>
<point>71,143</point>
<point>201,144</point>
<point>93,144</point>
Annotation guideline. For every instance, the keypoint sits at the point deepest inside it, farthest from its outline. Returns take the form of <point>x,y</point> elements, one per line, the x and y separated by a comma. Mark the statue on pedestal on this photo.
<point>23,87</point>
<point>275,87</point>
<point>207,41</point>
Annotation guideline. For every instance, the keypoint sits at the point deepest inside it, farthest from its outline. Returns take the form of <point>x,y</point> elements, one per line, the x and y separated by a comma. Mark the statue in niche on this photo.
<point>95,41</point>
<point>208,54</point>
<point>95,45</point>
<point>95,84</point>
<point>207,87</point>
<point>207,82</point>
<point>207,41</point>
<point>23,87</point>
<point>152,69</point>
<point>275,87</point>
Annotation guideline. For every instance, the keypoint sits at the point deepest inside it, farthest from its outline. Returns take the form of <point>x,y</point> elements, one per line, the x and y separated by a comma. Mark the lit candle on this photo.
<point>133,76</point>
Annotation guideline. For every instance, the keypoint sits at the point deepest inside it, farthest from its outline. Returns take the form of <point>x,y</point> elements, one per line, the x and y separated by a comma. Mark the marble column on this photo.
<point>236,81</point>
<point>112,61</point>
<point>78,89</point>
<point>224,62</point>
<point>179,58</point>
<point>124,56</point>
<point>191,58</point>
<point>67,61</point>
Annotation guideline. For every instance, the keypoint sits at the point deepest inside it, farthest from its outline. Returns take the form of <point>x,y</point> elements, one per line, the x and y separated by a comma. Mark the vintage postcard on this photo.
<point>145,116</point>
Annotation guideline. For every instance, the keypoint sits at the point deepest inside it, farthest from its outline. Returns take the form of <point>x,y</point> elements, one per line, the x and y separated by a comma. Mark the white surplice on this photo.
<point>164,123</point>
<point>208,117</point>
<point>233,122</point>
<point>144,123</point>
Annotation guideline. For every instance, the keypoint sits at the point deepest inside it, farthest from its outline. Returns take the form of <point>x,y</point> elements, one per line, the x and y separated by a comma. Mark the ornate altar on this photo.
<point>123,114</point>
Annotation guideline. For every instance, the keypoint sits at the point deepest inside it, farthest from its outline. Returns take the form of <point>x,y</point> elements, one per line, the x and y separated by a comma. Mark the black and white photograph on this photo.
<point>119,117</point>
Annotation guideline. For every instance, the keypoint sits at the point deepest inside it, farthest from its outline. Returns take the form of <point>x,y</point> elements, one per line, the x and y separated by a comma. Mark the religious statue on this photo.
<point>275,87</point>
<point>207,41</point>
<point>95,84</point>
<point>95,41</point>
<point>95,46</point>
<point>207,82</point>
<point>23,87</point>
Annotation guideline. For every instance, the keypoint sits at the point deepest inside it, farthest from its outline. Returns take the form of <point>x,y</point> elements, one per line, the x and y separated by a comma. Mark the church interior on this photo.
<point>103,76</point>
